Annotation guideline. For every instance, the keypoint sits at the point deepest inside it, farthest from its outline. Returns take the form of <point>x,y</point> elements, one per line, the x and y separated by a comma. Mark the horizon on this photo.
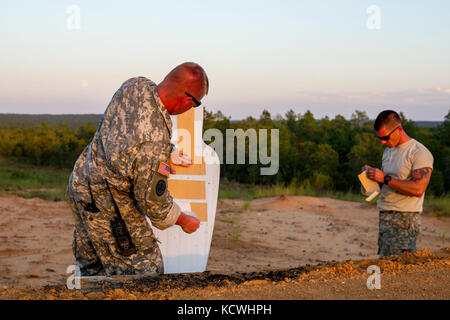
<point>70,57</point>
<point>231,119</point>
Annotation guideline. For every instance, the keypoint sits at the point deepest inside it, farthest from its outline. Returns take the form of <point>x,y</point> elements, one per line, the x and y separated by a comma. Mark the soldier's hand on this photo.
<point>366,167</point>
<point>376,175</point>
<point>177,158</point>
<point>189,224</point>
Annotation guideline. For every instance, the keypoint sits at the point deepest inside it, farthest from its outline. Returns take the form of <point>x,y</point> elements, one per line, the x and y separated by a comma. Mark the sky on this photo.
<point>330,57</point>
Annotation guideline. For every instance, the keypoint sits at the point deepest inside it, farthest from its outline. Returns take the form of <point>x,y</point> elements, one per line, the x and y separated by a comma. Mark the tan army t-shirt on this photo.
<point>399,162</point>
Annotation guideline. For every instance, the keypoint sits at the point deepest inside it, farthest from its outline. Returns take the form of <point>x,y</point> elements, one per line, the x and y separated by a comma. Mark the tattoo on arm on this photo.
<point>420,174</point>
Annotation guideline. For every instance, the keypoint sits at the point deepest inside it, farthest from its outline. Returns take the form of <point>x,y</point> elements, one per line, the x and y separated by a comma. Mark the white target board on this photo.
<point>195,189</point>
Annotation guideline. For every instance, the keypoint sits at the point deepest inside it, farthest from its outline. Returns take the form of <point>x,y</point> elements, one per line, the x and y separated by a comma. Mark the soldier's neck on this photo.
<point>165,97</point>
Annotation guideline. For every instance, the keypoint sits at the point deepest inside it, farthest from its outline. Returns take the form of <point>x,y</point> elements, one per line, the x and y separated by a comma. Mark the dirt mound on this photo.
<point>208,285</point>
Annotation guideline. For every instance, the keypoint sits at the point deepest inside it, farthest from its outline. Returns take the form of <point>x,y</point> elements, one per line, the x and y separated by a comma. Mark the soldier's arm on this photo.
<point>422,167</point>
<point>150,189</point>
<point>416,186</point>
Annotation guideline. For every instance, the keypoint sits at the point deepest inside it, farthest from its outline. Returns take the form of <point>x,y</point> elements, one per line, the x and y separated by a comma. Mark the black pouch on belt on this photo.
<point>123,239</point>
<point>120,231</point>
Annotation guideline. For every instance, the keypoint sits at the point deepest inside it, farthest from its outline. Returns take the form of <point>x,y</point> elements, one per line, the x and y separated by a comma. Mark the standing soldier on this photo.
<point>405,174</point>
<point>121,176</point>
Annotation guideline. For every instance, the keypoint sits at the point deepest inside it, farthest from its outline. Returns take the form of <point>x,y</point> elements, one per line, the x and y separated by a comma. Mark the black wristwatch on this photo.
<point>387,178</point>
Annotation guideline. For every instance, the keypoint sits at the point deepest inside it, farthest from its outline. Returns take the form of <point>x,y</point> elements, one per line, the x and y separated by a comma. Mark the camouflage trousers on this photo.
<point>398,231</point>
<point>96,252</point>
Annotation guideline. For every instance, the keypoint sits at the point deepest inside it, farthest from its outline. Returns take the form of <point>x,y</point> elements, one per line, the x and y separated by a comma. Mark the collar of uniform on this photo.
<point>163,110</point>
<point>405,144</point>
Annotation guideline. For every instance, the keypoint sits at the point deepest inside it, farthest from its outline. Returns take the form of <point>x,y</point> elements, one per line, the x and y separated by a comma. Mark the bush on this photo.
<point>323,182</point>
<point>57,146</point>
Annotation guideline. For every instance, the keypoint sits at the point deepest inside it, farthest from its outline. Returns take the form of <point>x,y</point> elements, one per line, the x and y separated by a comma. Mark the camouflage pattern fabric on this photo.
<point>398,231</point>
<point>131,141</point>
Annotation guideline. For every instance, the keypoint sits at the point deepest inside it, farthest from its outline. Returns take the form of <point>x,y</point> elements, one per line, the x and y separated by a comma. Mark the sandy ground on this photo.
<point>265,234</point>
<point>285,232</point>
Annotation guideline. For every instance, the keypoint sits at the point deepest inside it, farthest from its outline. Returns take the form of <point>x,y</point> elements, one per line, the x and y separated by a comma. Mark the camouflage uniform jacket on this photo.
<point>131,141</point>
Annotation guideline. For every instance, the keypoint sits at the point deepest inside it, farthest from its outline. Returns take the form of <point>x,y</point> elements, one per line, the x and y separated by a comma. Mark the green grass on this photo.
<point>437,206</point>
<point>237,191</point>
<point>30,181</point>
<point>234,190</point>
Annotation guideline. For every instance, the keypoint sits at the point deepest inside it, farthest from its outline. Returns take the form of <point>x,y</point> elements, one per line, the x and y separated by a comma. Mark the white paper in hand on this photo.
<point>369,187</point>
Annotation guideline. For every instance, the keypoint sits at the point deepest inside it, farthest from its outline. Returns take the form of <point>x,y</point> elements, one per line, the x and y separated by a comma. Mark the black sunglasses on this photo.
<point>197,103</point>
<point>386,138</point>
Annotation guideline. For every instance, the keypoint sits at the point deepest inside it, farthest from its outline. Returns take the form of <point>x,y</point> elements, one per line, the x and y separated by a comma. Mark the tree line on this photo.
<point>44,145</point>
<point>324,154</point>
<point>327,154</point>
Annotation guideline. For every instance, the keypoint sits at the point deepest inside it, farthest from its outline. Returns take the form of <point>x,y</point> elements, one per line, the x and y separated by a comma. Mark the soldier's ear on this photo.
<point>185,100</point>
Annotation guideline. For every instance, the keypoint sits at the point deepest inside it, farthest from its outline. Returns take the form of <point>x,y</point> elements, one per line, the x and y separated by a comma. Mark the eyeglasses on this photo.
<point>197,103</point>
<point>386,138</point>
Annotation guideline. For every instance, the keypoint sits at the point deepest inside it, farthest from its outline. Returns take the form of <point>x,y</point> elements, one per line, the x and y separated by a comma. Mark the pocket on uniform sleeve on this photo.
<point>158,186</point>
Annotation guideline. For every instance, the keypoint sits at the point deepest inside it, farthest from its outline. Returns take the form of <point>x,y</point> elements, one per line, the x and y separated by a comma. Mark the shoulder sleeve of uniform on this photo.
<point>128,117</point>
<point>150,188</point>
<point>422,158</point>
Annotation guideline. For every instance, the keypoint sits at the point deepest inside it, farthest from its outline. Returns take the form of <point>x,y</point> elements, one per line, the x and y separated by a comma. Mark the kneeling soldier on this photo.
<point>121,176</point>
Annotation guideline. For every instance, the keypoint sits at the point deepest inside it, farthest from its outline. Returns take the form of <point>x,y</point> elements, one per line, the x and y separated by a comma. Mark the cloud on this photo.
<point>417,97</point>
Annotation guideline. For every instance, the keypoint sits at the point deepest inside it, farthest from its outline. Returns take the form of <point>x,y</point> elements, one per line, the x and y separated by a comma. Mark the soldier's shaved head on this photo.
<point>187,77</point>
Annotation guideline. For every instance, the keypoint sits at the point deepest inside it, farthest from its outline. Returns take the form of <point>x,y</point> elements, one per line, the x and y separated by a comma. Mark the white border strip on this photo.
<point>187,177</point>
<point>190,200</point>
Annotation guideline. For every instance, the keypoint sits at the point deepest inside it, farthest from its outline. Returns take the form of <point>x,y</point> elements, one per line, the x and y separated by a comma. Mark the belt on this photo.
<point>393,211</point>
